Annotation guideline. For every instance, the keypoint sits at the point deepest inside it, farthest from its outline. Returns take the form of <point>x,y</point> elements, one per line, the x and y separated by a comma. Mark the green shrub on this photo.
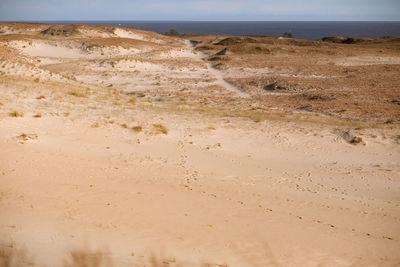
<point>172,32</point>
<point>288,35</point>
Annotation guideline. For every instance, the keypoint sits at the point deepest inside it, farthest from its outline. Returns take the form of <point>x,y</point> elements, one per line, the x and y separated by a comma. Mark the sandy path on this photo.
<point>214,73</point>
<point>221,81</point>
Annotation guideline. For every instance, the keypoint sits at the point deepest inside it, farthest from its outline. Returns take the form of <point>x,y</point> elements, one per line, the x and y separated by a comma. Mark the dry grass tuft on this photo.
<point>11,257</point>
<point>137,129</point>
<point>160,128</point>
<point>132,101</point>
<point>88,258</point>
<point>16,114</point>
<point>78,94</point>
<point>103,258</point>
<point>14,257</point>
<point>25,137</point>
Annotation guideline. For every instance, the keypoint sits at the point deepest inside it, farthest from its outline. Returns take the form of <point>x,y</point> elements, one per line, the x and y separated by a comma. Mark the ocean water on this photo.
<point>301,29</point>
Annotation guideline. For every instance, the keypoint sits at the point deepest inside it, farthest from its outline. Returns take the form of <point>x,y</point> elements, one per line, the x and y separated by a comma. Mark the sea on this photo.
<point>310,30</point>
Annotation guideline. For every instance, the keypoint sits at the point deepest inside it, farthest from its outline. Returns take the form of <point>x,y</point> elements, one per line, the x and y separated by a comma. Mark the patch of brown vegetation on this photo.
<point>345,39</point>
<point>61,30</point>
<point>137,129</point>
<point>236,40</point>
<point>89,258</point>
<point>357,81</point>
<point>14,257</point>
<point>159,128</point>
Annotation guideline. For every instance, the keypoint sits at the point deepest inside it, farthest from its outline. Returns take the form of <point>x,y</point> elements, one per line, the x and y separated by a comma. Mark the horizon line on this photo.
<point>112,20</point>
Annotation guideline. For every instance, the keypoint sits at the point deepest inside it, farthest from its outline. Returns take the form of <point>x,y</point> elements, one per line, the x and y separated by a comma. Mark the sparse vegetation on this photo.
<point>38,115</point>
<point>137,129</point>
<point>40,97</point>
<point>88,258</point>
<point>288,35</point>
<point>132,101</point>
<point>25,137</point>
<point>12,257</point>
<point>95,125</point>
<point>160,128</point>
<point>172,32</point>
<point>77,93</point>
<point>16,114</point>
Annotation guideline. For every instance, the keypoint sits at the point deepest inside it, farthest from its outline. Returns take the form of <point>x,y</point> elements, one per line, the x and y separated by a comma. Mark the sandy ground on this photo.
<point>127,148</point>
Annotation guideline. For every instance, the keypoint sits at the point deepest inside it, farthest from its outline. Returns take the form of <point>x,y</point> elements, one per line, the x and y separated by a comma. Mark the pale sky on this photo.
<point>216,10</point>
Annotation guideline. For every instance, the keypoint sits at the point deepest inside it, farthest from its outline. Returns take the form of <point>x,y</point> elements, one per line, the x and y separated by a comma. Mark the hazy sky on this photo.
<point>200,10</point>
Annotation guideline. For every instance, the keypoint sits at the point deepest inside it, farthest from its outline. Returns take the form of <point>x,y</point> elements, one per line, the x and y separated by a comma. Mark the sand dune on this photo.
<point>145,153</point>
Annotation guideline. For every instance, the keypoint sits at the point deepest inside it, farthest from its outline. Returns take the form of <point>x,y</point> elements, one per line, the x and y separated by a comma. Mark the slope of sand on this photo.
<point>127,148</point>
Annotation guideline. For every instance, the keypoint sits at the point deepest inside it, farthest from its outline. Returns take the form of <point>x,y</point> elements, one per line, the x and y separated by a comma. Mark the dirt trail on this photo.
<point>221,81</point>
<point>199,56</point>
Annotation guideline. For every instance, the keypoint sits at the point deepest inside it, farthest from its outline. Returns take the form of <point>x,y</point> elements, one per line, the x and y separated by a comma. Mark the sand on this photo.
<point>130,159</point>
